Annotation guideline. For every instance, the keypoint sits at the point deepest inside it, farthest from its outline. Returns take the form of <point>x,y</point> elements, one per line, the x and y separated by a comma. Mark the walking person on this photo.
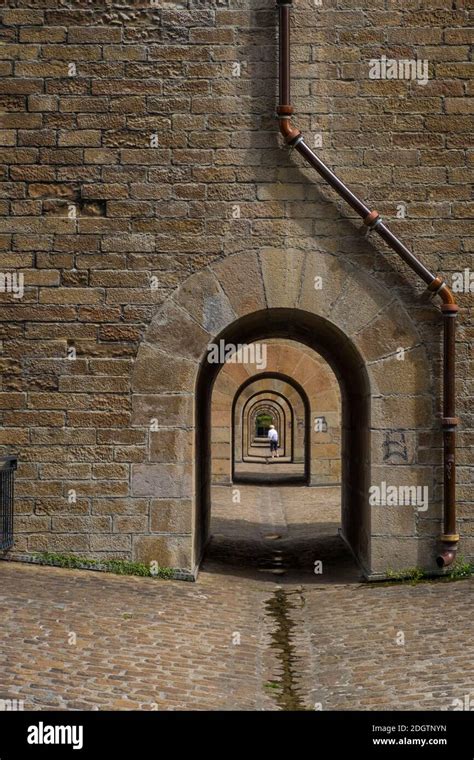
<point>273,438</point>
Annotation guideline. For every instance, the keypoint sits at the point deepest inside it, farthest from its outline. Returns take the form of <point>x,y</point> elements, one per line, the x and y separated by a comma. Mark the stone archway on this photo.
<point>311,371</point>
<point>356,325</point>
<point>293,393</point>
<point>279,413</point>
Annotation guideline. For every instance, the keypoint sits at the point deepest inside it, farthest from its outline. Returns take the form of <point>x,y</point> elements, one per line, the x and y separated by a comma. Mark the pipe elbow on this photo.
<point>449,547</point>
<point>446,558</point>
<point>288,131</point>
<point>439,287</point>
<point>447,296</point>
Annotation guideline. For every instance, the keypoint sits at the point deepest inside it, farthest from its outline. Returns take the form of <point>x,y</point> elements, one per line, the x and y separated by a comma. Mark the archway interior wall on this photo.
<point>357,326</point>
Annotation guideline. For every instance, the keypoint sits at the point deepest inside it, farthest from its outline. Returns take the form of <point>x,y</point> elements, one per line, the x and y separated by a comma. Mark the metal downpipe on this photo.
<point>436,285</point>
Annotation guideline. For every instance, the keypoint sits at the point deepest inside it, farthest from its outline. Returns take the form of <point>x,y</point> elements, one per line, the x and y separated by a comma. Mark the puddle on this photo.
<point>284,688</point>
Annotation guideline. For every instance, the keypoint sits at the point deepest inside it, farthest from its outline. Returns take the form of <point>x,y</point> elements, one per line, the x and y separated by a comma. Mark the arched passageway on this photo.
<point>354,395</point>
<point>356,325</point>
<point>294,402</point>
<point>284,359</point>
<point>256,421</point>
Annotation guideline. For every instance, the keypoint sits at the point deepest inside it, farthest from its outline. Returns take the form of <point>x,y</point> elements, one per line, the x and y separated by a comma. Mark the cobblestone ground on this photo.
<point>257,631</point>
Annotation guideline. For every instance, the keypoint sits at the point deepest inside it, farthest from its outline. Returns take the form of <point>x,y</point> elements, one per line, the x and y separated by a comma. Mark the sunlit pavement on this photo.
<point>259,630</point>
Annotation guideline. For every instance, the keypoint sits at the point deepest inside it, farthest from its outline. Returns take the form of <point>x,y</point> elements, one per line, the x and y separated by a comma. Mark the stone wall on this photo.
<point>139,146</point>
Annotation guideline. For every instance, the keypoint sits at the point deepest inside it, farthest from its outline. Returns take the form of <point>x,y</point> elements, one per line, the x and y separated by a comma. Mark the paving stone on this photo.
<point>326,641</point>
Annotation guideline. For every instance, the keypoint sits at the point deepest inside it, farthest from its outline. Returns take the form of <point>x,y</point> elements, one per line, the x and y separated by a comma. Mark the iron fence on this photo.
<point>7,469</point>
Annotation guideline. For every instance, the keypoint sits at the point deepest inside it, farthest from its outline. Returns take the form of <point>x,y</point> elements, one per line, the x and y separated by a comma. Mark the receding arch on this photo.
<point>269,406</point>
<point>322,336</point>
<point>307,415</point>
<point>285,416</point>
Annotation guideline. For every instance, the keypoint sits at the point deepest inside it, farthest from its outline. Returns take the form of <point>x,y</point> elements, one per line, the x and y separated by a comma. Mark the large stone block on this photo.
<point>168,411</point>
<point>323,280</point>
<point>361,299</point>
<point>410,375</point>
<point>241,279</point>
<point>175,332</point>
<point>156,371</point>
<point>171,445</point>
<point>120,507</point>
<point>171,515</point>
<point>108,542</point>
<point>393,521</point>
<point>390,553</point>
<point>282,272</point>
<point>393,446</point>
<point>202,296</point>
<point>408,475</point>
<point>166,551</point>
<point>386,334</point>
<point>408,412</point>
<point>162,480</point>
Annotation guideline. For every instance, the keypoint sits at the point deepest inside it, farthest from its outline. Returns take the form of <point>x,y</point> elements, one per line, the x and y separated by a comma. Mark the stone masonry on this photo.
<point>148,205</point>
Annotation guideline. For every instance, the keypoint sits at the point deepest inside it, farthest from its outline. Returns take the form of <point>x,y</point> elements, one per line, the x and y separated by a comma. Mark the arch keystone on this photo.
<point>282,272</point>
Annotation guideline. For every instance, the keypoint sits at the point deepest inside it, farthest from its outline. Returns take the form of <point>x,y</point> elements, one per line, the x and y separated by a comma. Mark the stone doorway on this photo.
<point>357,326</point>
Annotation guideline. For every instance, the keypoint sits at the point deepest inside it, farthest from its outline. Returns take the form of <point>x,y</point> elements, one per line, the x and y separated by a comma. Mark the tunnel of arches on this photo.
<point>320,337</point>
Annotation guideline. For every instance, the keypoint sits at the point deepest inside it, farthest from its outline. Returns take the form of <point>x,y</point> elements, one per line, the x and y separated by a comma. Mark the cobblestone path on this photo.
<point>259,630</point>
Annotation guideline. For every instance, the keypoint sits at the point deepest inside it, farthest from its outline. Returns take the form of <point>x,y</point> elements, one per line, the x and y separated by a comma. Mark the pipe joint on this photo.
<point>450,422</point>
<point>283,111</point>
<point>372,220</point>
<point>449,309</point>
<point>296,141</point>
<point>450,538</point>
<point>436,285</point>
<point>288,131</point>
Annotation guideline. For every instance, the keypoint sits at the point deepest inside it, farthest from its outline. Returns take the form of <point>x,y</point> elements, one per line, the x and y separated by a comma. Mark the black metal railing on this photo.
<point>7,468</point>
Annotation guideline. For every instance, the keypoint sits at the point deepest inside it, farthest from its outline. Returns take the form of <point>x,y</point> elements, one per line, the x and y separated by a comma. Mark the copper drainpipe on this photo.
<point>436,285</point>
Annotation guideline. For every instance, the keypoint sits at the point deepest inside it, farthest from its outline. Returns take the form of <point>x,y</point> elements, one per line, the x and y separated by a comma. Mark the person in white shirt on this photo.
<point>273,438</point>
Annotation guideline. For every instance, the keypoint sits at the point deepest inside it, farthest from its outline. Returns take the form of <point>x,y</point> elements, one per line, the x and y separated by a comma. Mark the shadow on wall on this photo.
<point>312,216</point>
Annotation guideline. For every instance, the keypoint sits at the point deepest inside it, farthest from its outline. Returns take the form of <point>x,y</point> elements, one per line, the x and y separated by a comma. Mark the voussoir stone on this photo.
<point>241,279</point>
<point>175,332</point>
<point>202,296</point>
